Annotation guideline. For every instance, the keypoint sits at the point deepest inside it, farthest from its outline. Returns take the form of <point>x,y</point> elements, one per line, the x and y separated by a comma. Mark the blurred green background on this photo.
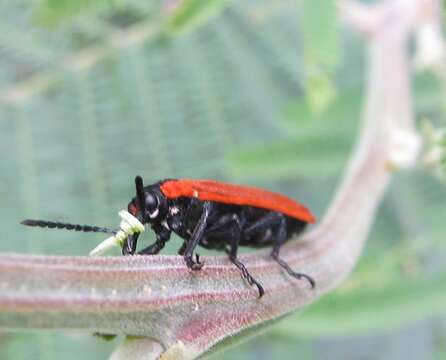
<point>262,92</point>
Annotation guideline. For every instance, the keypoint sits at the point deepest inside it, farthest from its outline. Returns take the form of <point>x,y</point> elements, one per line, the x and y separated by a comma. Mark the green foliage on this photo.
<point>370,310</point>
<point>55,11</point>
<point>191,14</point>
<point>367,307</point>
<point>290,157</point>
<point>321,47</point>
<point>296,154</point>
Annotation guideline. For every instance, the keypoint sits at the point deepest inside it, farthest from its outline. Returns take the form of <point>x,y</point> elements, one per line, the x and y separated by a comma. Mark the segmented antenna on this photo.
<point>67,226</point>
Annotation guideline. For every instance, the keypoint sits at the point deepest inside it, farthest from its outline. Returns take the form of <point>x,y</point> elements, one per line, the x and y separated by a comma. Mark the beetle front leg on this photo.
<point>182,249</point>
<point>129,245</point>
<point>197,235</point>
<point>162,236</point>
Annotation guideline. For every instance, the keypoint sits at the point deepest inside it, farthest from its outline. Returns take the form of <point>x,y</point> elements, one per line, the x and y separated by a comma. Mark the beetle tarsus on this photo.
<point>247,276</point>
<point>291,272</point>
<point>192,265</point>
<point>182,249</point>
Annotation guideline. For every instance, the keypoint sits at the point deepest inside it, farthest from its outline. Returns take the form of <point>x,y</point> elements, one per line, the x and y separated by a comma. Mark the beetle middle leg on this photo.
<point>261,225</point>
<point>229,226</point>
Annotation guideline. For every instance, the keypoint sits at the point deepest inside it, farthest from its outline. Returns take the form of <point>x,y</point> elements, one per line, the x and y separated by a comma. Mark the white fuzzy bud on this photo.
<point>431,49</point>
<point>133,221</point>
<point>404,148</point>
<point>129,225</point>
<point>104,246</point>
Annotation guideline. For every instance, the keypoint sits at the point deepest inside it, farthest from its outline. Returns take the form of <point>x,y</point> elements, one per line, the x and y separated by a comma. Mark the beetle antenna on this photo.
<point>67,226</point>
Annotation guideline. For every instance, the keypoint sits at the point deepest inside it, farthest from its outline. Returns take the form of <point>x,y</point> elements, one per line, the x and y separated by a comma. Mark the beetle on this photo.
<point>214,215</point>
<point>217,215</point>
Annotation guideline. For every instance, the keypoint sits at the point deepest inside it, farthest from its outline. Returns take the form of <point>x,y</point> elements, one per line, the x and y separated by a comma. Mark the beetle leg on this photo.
<point>182,249</point>
<point>230,227</point>
<point>235,238</point>
<point>265,222</point>
<point>162,236</point>
<point>281,237</point>
<point>246,275</point>
<point>129,245</point>
<point>153,249</point>
<point>197,235</point>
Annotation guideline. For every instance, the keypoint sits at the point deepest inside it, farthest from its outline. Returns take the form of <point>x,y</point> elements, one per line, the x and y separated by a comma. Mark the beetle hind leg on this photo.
<point>281,237</point>
<point>290,271</point>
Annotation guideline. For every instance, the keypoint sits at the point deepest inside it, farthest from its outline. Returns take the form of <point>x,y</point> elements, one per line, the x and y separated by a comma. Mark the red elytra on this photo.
<point>217,191</point>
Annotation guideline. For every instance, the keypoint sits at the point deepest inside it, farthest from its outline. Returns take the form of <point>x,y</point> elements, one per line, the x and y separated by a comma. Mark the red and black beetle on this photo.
<point>217,215</point>
<point>212,214</point>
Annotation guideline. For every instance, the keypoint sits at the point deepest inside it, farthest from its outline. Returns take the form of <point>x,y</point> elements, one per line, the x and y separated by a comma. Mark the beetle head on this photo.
<point>149,205</point>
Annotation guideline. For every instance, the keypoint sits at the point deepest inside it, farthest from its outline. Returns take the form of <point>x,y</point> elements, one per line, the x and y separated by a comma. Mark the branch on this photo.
<point>189,312</point>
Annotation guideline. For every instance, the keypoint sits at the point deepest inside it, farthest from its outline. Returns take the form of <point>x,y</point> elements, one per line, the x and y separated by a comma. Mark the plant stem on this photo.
<point>190,312</point>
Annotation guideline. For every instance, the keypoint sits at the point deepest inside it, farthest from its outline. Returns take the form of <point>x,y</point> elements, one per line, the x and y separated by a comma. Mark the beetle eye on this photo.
<point>132,208</point>
<point>151,202</point>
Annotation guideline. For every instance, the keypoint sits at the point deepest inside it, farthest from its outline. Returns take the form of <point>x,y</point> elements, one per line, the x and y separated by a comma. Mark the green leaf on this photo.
<point>319,35</point>
<point>52,12</point>
<point>319,87</point>
<point>319,148</point>
<point>191,14</point>
<point>343,113</point>
<point>342,314</point>
<point>315,155</point>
